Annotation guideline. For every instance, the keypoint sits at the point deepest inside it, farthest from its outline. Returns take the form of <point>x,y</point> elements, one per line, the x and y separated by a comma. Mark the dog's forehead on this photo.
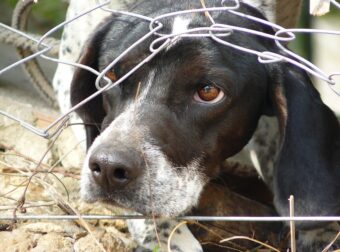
<point>188,58</point>
<point>175,74</point>
<point>180,68</point>
<point>117,39</point>
<point>185,60</point>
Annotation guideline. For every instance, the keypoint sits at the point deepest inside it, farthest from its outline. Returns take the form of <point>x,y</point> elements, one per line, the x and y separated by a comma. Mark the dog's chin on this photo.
<point>161,213</point>
<point>173,197</point>
<point>144,208</point>
<point>89,197</point>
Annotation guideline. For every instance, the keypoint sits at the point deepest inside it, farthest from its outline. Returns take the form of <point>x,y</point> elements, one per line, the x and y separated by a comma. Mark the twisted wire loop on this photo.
<point>216,31</point>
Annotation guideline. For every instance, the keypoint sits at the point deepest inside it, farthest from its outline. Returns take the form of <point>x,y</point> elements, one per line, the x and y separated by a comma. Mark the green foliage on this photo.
<point>52,11</point>
<point>10,2</point>
<point>45,13</point>
<point>156,249</point>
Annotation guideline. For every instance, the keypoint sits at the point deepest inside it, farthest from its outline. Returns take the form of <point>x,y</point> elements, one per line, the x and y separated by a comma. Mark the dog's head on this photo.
<point>156,139</point>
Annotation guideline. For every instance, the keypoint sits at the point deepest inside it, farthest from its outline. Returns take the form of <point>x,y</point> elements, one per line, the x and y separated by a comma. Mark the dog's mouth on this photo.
<point>170,201</point>
<point>162,190</point>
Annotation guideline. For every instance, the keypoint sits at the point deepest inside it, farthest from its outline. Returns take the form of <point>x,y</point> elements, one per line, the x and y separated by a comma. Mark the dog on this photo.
<point>166,129</point>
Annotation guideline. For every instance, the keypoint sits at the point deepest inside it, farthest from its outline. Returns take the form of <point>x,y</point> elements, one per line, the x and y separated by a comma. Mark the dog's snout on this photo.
<point>112,169</point>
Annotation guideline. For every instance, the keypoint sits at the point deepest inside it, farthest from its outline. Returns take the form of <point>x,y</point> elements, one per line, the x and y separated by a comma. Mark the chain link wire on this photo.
<point>216,31</point>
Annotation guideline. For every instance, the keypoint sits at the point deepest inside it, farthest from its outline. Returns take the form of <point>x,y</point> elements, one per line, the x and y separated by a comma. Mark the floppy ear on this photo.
<point>83,85</point>
<point>308,166</point>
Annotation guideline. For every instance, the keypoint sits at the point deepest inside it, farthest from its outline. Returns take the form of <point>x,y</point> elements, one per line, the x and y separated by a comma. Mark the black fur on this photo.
<point>308,166</point>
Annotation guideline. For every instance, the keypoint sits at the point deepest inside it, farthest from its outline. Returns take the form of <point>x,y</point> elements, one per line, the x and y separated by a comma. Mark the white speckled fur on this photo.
<point>185,186</point>
<point>75,35</point>
<point>179,25</point>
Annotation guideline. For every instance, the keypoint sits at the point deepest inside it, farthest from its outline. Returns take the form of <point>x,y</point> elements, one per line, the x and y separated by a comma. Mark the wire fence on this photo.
<point>217,32</point>
<point>184,218</point>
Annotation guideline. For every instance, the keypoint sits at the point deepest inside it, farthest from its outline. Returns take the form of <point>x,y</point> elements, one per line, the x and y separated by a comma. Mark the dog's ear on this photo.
<point>308,165</point>
<point>83,85</point>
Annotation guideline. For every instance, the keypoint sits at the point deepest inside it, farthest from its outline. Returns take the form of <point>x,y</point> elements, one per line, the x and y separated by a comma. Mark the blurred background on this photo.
<point>322,50</point>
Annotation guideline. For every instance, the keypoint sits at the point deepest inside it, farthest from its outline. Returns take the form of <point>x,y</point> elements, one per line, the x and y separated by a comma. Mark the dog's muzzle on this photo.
<point>127,166</point>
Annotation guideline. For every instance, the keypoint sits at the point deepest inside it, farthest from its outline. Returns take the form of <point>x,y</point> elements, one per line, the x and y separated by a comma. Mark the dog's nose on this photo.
<point>112,169</point>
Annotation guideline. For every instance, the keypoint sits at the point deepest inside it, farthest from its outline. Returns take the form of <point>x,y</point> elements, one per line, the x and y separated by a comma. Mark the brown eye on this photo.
<point>111,75</point>
<point>208,94</point>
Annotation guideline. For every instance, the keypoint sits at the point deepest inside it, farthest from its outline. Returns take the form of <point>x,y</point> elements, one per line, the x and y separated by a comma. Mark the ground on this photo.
<point>52,193</point>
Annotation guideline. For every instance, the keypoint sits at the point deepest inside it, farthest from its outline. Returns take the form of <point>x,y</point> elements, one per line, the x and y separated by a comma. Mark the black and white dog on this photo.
<point>157,139</point>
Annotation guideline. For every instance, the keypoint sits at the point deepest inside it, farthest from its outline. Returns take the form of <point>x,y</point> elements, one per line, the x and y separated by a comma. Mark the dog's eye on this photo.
<point>111,75</point>
<point>208,94</point>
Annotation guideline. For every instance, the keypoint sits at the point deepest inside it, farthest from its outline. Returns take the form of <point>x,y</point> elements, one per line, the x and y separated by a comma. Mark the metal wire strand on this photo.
<point>217,32</point>
<point>188,218</point>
